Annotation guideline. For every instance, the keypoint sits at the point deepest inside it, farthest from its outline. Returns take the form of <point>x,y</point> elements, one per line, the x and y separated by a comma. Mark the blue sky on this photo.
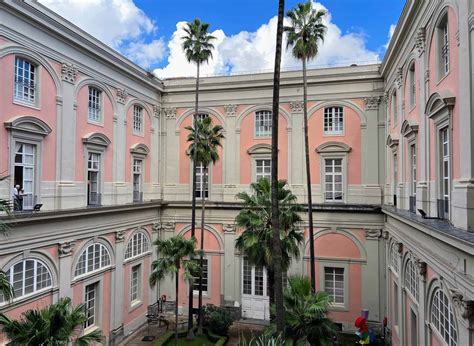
<point>148,31</point>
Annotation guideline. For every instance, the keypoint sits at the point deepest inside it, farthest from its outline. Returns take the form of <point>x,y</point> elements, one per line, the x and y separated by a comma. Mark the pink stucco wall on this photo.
<point>83,128</point>
<point>448,83</point>
<point>133,139</point>
<point>351,136</point>
<point>46,112</point>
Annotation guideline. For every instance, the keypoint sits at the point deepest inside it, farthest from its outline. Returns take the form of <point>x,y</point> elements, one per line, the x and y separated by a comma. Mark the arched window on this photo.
<point>442,317</point>
<point>394,258</point>
<point>93,258</point>
<point>411,279</point>
<point>27,277</point>
<point>138,245</point>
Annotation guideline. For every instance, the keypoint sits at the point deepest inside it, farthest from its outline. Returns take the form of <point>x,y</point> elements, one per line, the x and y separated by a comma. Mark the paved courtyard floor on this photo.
<point>246,328</point>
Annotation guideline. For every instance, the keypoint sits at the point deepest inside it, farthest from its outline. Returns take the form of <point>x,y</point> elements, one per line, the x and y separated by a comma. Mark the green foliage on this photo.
<point>305,31</point>
<point>265,339</point>
<point>197,43</point>
<point>306,321</point>
<point>57,324</point>
<point>6,289</point>
<point>255,218</point>
<point>218,320</point>
<point>205,140</point>
<point>173,254</point>
<point>163,339</point>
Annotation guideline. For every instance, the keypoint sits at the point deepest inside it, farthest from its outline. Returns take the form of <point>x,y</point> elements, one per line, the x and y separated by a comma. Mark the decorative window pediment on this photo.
<point>409,129</point>
<point>392,141</point>
<point>30,124</point>
<point>96,138</point>
<point>139,149</point>
<point>439,102</point>
<point>260,149</point>
<point>333,147</point>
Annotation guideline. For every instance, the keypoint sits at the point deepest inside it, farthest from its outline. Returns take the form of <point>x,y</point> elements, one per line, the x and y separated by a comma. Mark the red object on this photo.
<point>385,321</point>
<point>361,325</point>
<point>163,297</point>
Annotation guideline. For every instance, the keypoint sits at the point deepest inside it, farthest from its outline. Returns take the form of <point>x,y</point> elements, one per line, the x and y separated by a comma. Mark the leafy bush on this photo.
<point>265,339</point>
<point>217,319</point>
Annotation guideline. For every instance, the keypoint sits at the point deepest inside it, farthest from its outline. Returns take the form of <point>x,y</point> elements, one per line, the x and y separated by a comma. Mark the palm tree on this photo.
<point>205,141</point>
<point>304,34</point>
<point>6,289</point>
<point>175,253</point>
<point>277,268</point>
<point>197,45</point>
<point>57,324</point>
<point>255,218</point>
<point>306,311</point>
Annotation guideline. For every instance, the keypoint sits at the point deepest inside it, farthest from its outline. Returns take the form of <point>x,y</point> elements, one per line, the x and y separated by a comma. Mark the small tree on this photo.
<point>6,289</point>
<point>174,254</point>
<point>57,324</point>
<point>205,139</point>
<point>255,217</point>
<point>306,321</point>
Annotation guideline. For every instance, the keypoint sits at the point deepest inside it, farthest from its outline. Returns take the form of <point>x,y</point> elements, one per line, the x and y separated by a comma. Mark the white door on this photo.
<point>255,302</point>
<point>25,172</point>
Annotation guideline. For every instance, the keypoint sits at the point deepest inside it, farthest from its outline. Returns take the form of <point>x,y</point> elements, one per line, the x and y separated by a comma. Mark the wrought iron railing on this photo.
<point>413,204</point>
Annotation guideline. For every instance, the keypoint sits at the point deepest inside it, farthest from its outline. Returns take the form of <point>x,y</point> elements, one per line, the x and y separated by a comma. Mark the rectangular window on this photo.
<point>93,176</point>
<point>202,182</point>
<point>263,124</point>
<point>395,173</point>
<point>137,119</point>
<point>414,328</point>
<point>259,289</point>
<point>263,169</point>
<point>25,81</point>
<point>24,175</point>
<point>445,47</point>
<point>395,304</point>
<point>205,277</point>
<point>91,303</point>
<point>412,85</point>
<point>333,180</point>
<point>137,180</point>
<point>394,108</point>
<point>247,277</point>
<point>413,169</point>
<point>333,121</point>
<point>135,284</point>
<point>95,101</point>
<point>334,284</point>
<point>445,168</point>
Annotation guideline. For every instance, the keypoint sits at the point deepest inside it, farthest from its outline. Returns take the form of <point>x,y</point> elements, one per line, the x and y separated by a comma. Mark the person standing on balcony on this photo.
<point>17,198</point>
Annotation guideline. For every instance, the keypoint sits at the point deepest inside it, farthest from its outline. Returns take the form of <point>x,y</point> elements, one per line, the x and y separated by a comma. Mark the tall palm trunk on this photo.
<point>193,207</point>
<point>276,242</point>
<point>203,211</point>
<point>308,178</point>
<point>176,306</point>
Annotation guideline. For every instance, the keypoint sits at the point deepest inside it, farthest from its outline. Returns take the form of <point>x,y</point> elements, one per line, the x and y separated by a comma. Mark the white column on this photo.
<point>370,275</point>
<point>65,268</point>
<point>118,281</point>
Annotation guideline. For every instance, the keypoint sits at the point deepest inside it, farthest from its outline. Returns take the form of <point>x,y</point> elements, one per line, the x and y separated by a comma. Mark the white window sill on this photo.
<point>95,123</point>
<point>22,103</point>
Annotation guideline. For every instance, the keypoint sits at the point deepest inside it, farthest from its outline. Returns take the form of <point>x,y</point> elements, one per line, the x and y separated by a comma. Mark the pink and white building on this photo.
<point>100,144</point>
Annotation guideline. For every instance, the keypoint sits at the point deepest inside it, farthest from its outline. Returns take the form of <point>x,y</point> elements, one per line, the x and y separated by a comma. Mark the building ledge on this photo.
<point>29,216</point>
<point>438,228</point>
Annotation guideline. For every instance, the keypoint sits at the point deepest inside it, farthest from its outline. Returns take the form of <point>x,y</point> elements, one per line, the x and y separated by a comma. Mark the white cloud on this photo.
<point>255,51</point>
<point>118,23</point>
<point>391,31</point>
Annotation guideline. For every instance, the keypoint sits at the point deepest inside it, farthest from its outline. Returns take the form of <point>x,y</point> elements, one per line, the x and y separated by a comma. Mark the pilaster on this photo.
<point>65,251</point>
<point>119,151</point>
<point>117,281</point>
<point>370,275</point>
<point>231,292</point>
<point>231,171</point>
<point>296,168</point>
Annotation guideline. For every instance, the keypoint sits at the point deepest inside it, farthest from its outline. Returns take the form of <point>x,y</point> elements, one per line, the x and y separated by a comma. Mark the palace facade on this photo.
<point>98,146</point>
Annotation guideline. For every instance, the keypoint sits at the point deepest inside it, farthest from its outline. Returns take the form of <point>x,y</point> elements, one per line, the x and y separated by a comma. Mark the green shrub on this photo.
<point>217,319</point>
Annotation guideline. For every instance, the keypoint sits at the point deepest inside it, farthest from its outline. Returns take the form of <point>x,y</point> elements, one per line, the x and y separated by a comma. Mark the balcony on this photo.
<point>94,199</point>
<point>413,204</point>
<point>333,197</point>
<point>137,196</point>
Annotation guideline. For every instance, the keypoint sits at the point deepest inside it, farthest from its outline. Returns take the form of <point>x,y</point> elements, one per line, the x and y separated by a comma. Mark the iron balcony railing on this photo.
<point>413,204</point>
<point>137,196</point>
<point>94,199</point>
<point>443,208</point>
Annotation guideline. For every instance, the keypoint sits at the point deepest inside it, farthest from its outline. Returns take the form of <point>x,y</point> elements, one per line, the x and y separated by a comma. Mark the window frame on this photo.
<point>394,108</point>
<point>411,280</point>
<point>141,116</point>
<point>450,319</point>
<point>333,183</point>
<point>336,265</point>
<point>258,134</point>
<point>100,174</point>
<point>394,259</point>
<point>98,287</point>
<point>443,47</point>
<point>146,246</point>
<point>140,176</point>
<point>100,109</point>
<point>36,292</point>
<point>136,301</point>
<point>442,160</point>
<point>206,292</point>
<point>209,180</point>
<point>92,272</point>
<point>412,85</point>
<point>338,120</point>
<point>256,167</point>
<point>35,104</point>
<point>413,168</point>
